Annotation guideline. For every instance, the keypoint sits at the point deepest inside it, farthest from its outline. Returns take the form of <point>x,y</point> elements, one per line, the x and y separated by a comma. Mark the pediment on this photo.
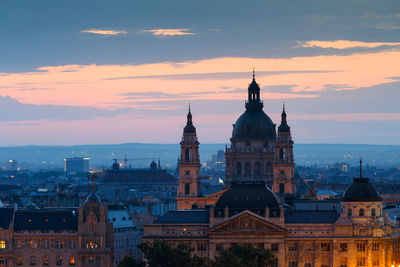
<point>247,222</point>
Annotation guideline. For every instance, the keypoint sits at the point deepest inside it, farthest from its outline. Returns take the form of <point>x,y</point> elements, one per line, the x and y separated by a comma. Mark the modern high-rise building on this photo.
<point>76,165</point>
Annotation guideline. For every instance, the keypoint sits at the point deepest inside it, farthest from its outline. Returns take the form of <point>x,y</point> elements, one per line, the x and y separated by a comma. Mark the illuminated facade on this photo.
<point>357,231</point>
<point>54,237</point>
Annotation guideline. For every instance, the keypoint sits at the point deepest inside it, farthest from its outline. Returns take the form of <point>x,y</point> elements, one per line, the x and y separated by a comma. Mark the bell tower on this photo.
<point>284,180</point>
<point>189,166</point>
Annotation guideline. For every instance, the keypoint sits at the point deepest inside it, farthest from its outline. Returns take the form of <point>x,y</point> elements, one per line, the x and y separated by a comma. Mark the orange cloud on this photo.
<point>169,32</point>
<point>345,44</point>
<point>103,32</point>
<point>106,86</point>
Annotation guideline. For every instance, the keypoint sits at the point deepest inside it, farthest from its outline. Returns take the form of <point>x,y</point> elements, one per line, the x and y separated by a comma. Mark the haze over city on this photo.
<point>102,72</point>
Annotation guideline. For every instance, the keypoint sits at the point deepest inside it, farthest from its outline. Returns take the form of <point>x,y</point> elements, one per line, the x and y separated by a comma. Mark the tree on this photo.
<point>161,254</point>
<point>129,261</point>
<point>245,256</point>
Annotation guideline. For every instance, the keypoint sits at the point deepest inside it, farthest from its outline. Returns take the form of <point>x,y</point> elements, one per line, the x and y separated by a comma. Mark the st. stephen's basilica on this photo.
<point>260,204</point>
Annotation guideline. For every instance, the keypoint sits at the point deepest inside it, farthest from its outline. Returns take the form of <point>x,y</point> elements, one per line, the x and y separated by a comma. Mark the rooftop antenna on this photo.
<point>360,166</point>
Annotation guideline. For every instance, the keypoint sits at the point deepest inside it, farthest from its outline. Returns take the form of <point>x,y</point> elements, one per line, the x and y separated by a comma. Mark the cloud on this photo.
<point>170,32</point>
<point>104,32</point>
<point>345,44</point>
<point>17,111</point>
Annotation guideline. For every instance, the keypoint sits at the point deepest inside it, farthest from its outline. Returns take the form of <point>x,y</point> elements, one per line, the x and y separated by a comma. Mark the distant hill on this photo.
<point>142,154</point>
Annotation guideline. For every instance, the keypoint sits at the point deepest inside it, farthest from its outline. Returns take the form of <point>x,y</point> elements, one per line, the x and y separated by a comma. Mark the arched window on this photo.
<point>282,153</point>
<point>2,244</point>
<point>239,168</point>
<point>282,188</point>
<point>59,260</point>
<point>257,168</point>
<point>187,154</point>
<point>361,212</point>
<point>187,189</point>
<point>46,260</point>
<point>247,168</point>
<point>349,212</point>
<point>269,168</point>
<point>373,212</point>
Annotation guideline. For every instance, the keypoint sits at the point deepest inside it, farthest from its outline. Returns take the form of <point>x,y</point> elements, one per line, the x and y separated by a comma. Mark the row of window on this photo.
<point>46,261</point>
<point>343,263</point>
<point>342,246</point>
<point>361,212</point>
<point>257,169</point>
<point>46,244</point>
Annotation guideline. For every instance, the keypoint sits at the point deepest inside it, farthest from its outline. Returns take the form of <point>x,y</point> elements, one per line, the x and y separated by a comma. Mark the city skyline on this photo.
<point>106,73</point>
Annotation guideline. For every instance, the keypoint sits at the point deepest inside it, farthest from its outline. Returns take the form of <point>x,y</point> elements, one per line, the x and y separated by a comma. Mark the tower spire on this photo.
<point>283,116</point>
<point>254,74</point>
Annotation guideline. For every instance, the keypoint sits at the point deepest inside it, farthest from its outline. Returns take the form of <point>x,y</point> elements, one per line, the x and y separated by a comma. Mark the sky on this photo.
<point>107,72</point>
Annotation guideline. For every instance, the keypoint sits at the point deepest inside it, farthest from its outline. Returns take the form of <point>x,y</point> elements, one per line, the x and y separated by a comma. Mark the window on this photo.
<point>33,260</point>
<point>257,168</point>
<point>349,212</point>
<point>375,262</point>
<point>3,262</point>
<point>91,260</point>
<point>59,244</point>
<point>187,189</point>
<point>201,246</point>
<point>282,153</point>
<point>187,173</point>
<point>343,246</point>
<point>282,188</point>
<point>72,244</point>
<point>373,212</point>
<point>269,168</point>
<point>46,244</point>
<point>71,260</point>
<point>292,247</point>
<point>361,212</point>
<point>361,262</point>
<point>46,260</point>
<point>274,247</point>
<point>91,244</point>
<point>325,246</point>
<point>239,168</point>
<point>307,264</point>
<point>219,247</point>
<point>59,260</point>
<point>292,263</point>
<point>361,247</point>
<point>375,246</point>
<point>20,244</point>
<point>2,244</point>
<point>32,244</point>
<point>247,168</point>
<point>343,262</point>
<point>187,154</point>
<point>19,260</point>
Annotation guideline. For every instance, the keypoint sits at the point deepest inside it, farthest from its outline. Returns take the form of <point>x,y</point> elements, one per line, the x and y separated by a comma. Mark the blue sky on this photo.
<point>84,72</point>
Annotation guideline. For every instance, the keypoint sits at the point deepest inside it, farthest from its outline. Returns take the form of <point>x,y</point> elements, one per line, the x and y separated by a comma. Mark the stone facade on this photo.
<point>55,237</point>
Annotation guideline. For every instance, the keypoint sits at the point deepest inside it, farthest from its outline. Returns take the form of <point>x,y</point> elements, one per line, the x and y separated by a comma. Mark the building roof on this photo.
<point>138,176</point>
<point>198,216</point>
<point>361,191</point>
<point>56,220</point>
<point>311,216</point>
<point>254,197</point>
<point>6,216</point>
<point>120,219</point>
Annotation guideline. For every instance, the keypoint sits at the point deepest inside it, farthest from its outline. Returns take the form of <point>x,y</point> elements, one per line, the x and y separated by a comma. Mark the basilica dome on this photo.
<point>254,123</point>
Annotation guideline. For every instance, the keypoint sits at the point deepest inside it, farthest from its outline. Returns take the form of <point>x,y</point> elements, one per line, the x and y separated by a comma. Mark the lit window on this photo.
<point>361,262</point>
<point>91,244</point>
<point>19,260</point>
<point>375,247</point>
<point>59,260</point>
<point>361,247</point>
<point>2,244</point>
<point>71,260</point>
<point>46,260</point>
<point>32,244</point>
